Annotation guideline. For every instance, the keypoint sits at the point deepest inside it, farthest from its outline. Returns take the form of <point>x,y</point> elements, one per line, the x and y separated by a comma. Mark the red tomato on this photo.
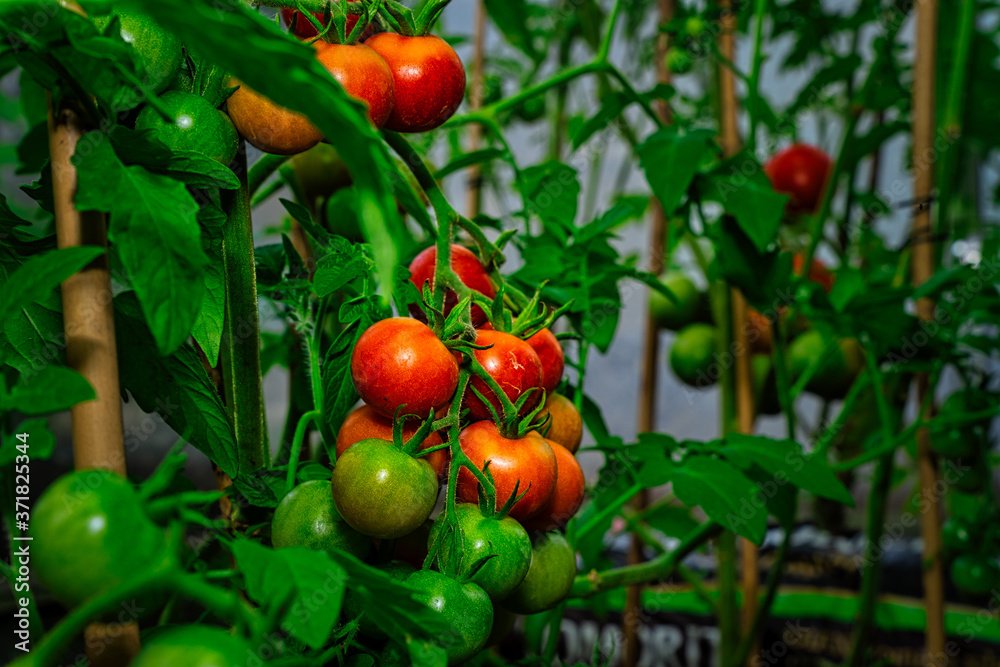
<point>565,422</point>
<point>799,171</point>
<point>364,76</point>
<point>267,126</point>
<point>430,80</point>
<point>567,496</point>
<point>553,359</point>
<point>528,459</point>
<point>818,273</point>
<point>399,361</point>
<point>365,423</point>
<point>466,266</point>
<point>515,367</point>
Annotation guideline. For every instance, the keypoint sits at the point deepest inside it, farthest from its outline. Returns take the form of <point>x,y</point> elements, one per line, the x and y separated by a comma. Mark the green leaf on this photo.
<point>670,520</point>
<point>154,224</point>
<point>467,160</point>
<point>342,264</point>
<point>283,581</point>
<point>41,442</point>
<point>175,386</point>
<point>724,493</point>
<point>207,328</point>
<point>509,17</point>
<point>763,277</point>
<point>339,394</point>
<point>750,199</point>
<point>786,462</point>
<point>41,274</point>
<point>612,106</point>
<point>194,169</point>
<point>53,389</point>
<point>671,160</point>
<point>552,192</point>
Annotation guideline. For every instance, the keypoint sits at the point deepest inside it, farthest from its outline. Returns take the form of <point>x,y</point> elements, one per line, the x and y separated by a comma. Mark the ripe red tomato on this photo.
<point>799,171</point>
<point>528,459</point>
<point>304,29</point>
<point>466,266</point>
<point>429,76</point>
<point>818,273</point>
<point>363,74</point>
<point>399,361</point>
<point>567,496</point>
<point>365,423</point>
<point>269,127</point>
<point>515,367</point>
<point>553,359</point>
<point>565,422</point>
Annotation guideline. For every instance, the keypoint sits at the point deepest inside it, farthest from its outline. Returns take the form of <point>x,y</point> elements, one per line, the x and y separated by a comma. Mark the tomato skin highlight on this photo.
<point>550,353</point>
<point>308,517</point>
<point>515,367</point>
<point>90,535</point>
<point>566,498</point>
<point>504,539</point>
<point>528,459</point>
<point>464,606</point>
<point>364,75</point>
<point>565,422</point>
<point>269,127</point>
<point>193,646</point>
<point>429,79</point>
<point>801,172</point>
<point>364,423</point>
<point>550,576</point>
<point>381,491</point>
<point>466,266</point>
<point>198,126</point>
<point>399,361</point>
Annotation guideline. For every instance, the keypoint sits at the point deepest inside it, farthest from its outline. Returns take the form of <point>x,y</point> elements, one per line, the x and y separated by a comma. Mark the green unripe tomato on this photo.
<point>692,356</point>
<point>503,539</point>
<point>679,61</point>
<point>681,311</point>
<point>839,365</point>
<point>382,491</point>
<point>465,608</point>
<point>695,25</point>
<point>194,646</point>
<point>955,443</point>
<point>765,385</point>
<point>550,576</point>
<point>972,479</point>
<point>341,215</point>
<point>320,172</point>
<point>197,126</point>
<point>956,536</point>
<point>308,517</point>
<point>974,575</point>
<point>531,109</point>
<point>158,52</point>
<point>90,535</point>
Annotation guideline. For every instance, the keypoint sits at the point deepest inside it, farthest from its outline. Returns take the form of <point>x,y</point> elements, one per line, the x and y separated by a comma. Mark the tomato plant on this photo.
<point>403,280</point>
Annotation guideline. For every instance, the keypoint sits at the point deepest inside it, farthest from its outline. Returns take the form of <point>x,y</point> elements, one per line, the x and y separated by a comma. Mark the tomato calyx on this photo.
<point>403,20</point>
<point>508,420</point>
<point>333,26</point>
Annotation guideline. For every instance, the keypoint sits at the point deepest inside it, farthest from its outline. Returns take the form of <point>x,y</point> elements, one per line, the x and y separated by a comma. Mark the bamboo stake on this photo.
<point>88,320</point>
<point>731,144</point>
<point>924,86</point>
<point>474,196</point>
<point>646,422</point>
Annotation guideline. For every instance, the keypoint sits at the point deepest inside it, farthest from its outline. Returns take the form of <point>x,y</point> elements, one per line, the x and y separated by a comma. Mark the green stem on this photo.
<point>241,373</point>
<point>753,98</point>
<point>615,505</point>
<point>298,443</point>
<point>781,374</point>
<point>878,500</point>
<point>658,568</point>
<point>770,593</point>
<point>262,170</point>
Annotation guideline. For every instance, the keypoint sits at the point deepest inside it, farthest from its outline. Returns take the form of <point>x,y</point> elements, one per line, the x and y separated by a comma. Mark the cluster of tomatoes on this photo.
<point>800,171</point>
<point>408,84</point>
<point>491,558</point>
<point>970,537</point>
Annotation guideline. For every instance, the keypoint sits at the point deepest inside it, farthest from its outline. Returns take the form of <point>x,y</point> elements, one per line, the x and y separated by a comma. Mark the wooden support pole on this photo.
<point>646,421</point>
<point>474,195</point>
<point>89,324</point>
<point>924,85</point>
